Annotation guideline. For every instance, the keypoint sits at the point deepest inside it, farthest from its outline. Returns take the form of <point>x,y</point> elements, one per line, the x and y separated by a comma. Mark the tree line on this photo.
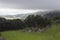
<point>32,21</point>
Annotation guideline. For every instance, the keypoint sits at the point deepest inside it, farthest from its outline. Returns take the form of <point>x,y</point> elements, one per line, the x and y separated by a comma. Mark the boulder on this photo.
<point>2,38</point>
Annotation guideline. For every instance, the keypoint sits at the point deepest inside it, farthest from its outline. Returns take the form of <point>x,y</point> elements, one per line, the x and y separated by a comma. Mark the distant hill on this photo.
<point>52,14</point>
<point>23,16</point>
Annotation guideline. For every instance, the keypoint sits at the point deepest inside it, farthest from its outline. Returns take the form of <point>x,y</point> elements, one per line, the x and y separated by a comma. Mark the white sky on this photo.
<point>13,7</point>
<point>8,11</point>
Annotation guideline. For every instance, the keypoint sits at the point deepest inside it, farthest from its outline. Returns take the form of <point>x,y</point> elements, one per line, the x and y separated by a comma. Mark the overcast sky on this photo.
<point>30,4</point>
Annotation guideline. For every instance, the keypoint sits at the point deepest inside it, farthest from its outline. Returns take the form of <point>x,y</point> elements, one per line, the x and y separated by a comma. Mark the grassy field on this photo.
<point>52,33</point>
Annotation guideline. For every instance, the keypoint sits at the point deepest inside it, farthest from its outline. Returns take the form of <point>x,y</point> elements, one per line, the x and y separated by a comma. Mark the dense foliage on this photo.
<point>32,21</point>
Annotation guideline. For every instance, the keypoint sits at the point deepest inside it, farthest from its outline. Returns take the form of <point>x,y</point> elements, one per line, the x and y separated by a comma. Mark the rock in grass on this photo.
<point>2,38</point>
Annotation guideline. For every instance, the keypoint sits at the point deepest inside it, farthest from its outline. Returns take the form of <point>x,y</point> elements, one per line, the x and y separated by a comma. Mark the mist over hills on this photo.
<point>48,14</point>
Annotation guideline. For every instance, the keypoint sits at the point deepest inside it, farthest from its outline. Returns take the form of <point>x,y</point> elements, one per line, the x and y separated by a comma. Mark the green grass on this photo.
<point>52,33</point>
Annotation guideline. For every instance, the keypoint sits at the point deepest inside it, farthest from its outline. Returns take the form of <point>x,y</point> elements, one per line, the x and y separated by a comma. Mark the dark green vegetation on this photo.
<point>32,22</point>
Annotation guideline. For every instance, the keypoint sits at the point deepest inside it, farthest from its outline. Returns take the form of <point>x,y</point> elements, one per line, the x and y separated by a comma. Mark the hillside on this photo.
<point>52,14</point>
<point>23,16</point>
<point>53,33</point>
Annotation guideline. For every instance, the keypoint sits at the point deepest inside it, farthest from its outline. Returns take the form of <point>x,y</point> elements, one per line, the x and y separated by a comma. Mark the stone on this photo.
<point>2,38</point>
